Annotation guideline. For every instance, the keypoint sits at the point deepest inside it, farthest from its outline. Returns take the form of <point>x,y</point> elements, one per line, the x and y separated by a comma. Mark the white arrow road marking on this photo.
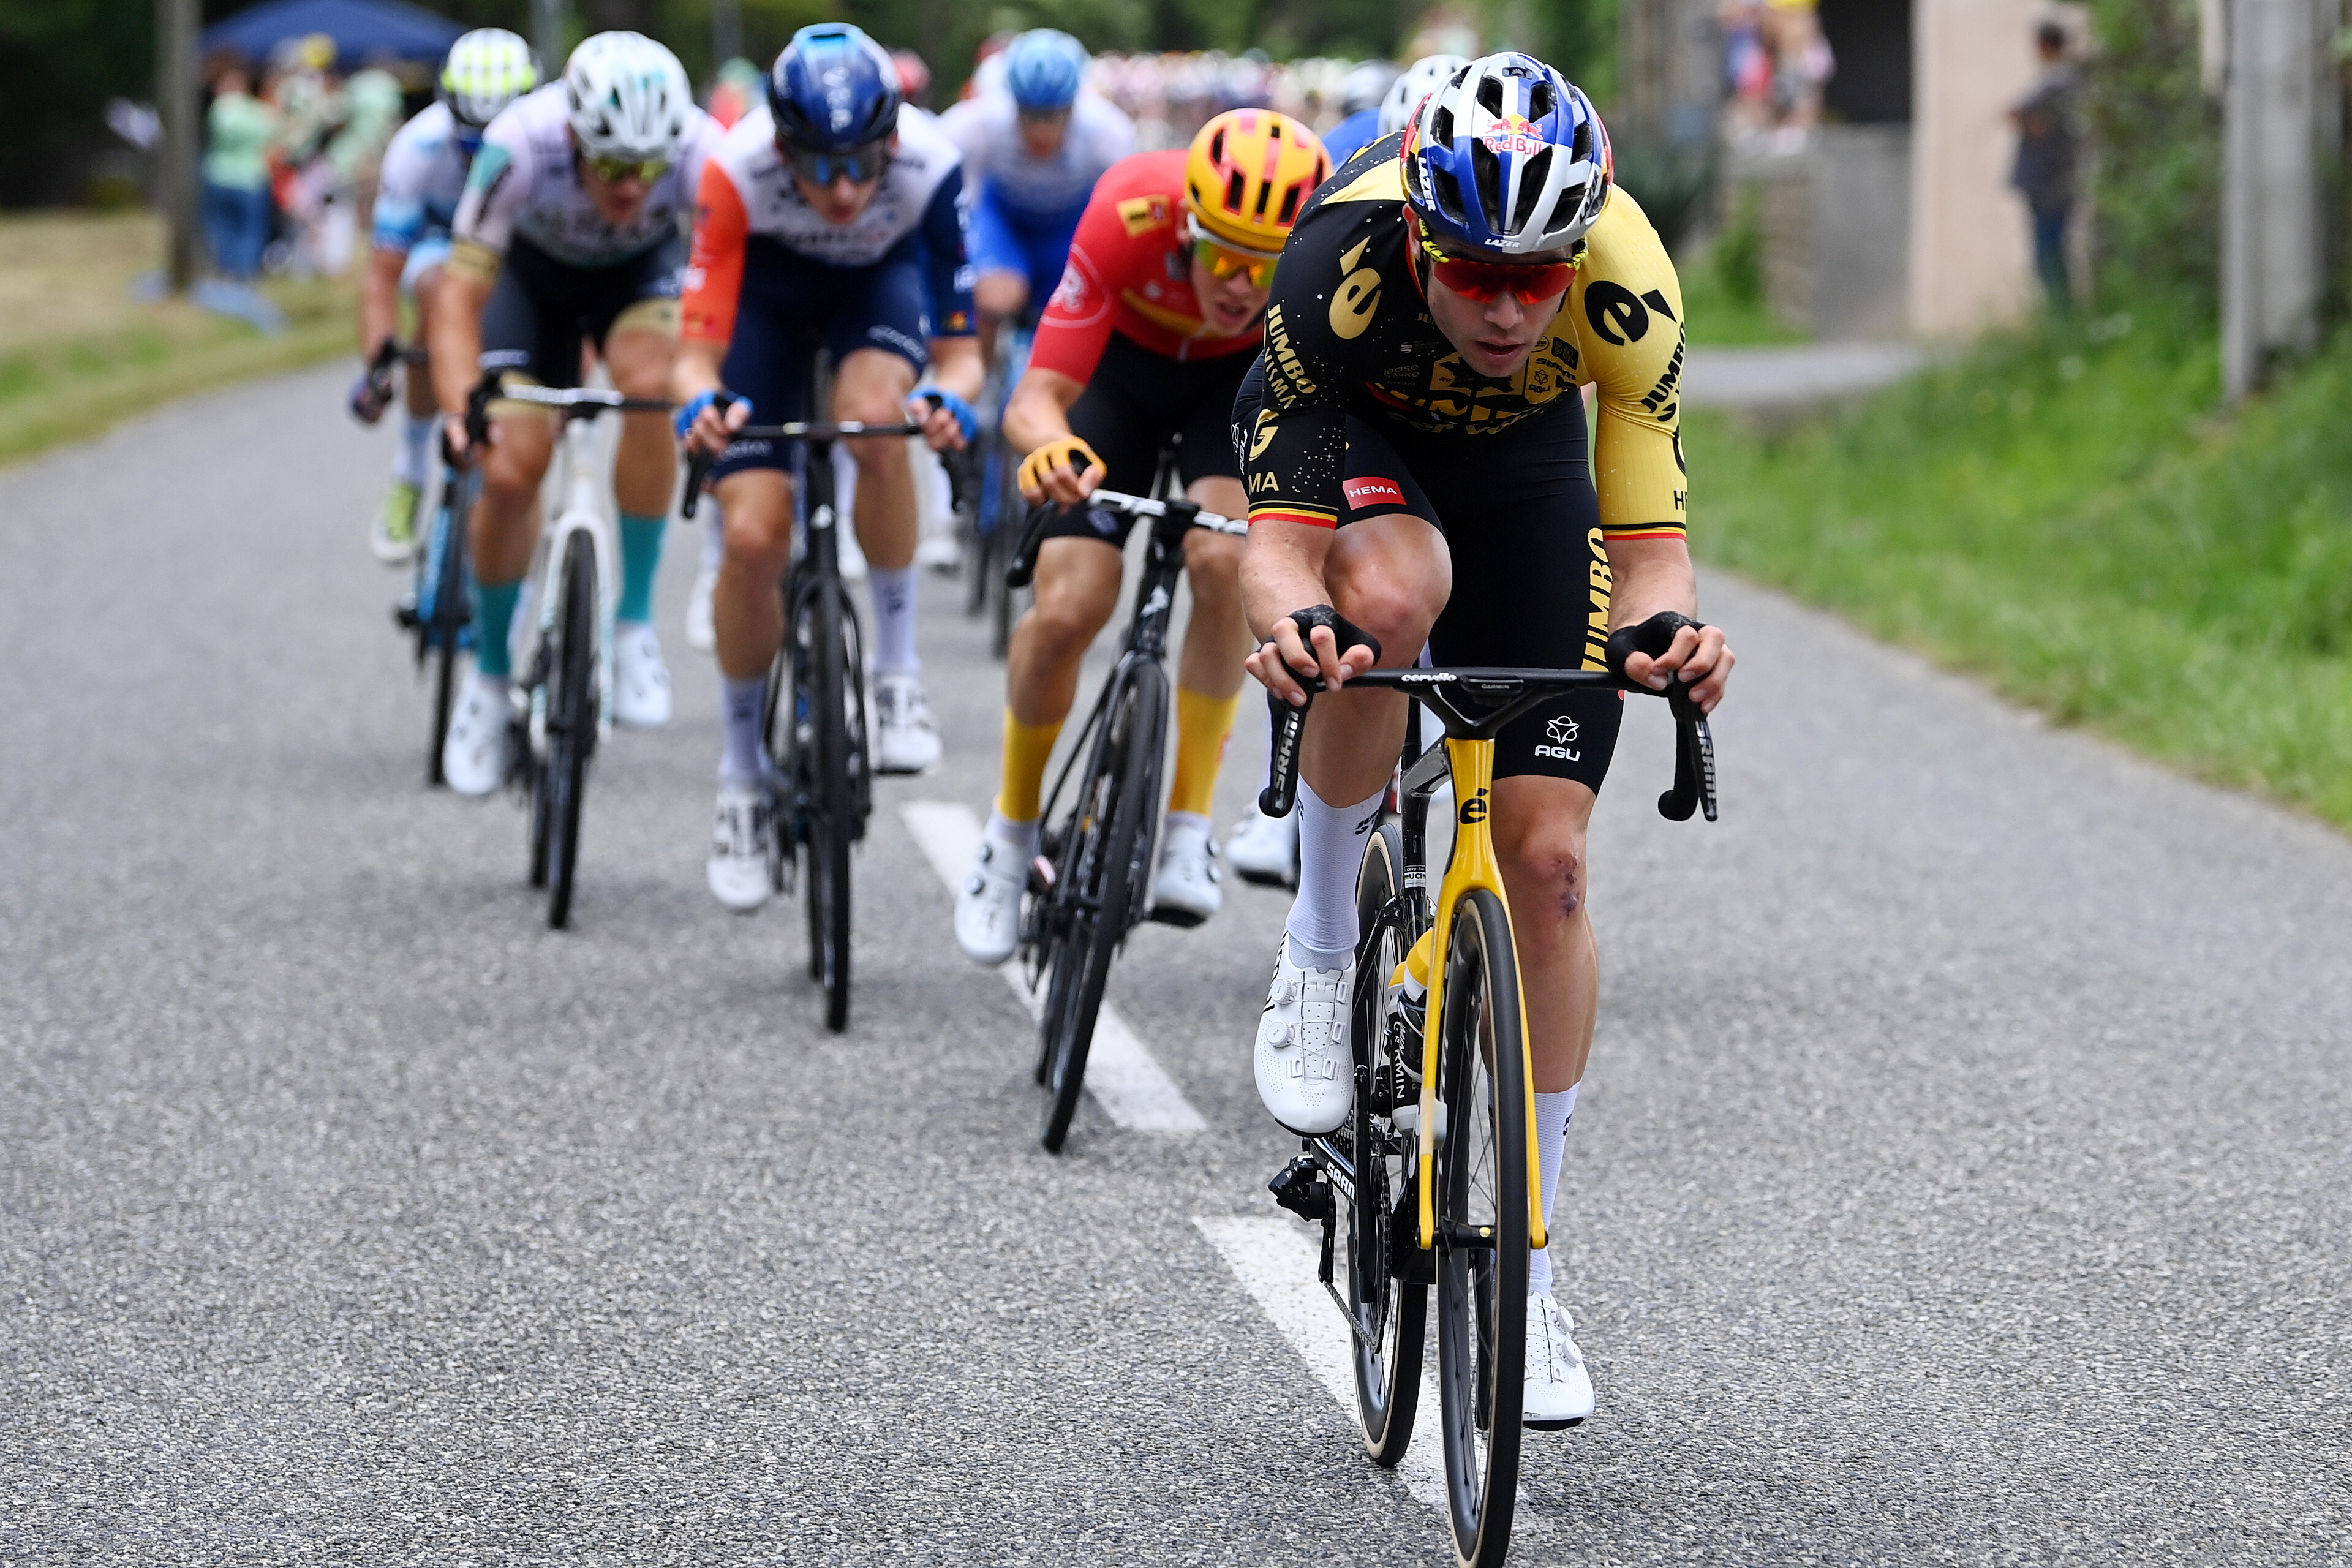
<point>1130,1086</point>
<point>1276,1260</point>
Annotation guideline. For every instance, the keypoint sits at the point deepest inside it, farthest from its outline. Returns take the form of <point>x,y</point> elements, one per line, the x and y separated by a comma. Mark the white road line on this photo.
<point>1276,1260</point>
<point>1132,1087</point>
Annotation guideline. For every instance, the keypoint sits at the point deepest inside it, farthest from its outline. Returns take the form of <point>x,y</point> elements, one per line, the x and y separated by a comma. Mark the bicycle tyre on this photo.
<point>1482,1183</point>
<point>441,624</point>
<point>1004,603</point>
<point>832,801</point>
<point>1109,872</point>
<point>571,712</point>
<point>1390,1309</point>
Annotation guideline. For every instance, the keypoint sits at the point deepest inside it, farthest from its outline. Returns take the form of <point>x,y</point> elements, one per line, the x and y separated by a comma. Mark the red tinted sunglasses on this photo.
<point>1485,281</point>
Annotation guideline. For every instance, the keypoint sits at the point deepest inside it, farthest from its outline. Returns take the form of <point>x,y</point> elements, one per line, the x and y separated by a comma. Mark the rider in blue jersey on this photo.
<point>1033,151</point>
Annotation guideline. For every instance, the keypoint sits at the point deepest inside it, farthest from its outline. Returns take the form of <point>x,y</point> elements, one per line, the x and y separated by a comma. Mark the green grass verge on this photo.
<point>73,388</point>
<point>2072,520</point>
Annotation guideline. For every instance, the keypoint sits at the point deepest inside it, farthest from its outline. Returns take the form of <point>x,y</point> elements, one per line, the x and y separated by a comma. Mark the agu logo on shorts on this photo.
<point>1561,732</point>
<point>1366,493</point>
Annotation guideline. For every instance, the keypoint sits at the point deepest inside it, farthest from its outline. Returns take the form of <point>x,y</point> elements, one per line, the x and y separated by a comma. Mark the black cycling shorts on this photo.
<point>1134,403</point>
<point>540,308</point>
<point>1523,524</point>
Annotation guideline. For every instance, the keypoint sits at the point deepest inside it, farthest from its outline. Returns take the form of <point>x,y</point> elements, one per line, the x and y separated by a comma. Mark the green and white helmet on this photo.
<point>487,70</point>
<point>628,98</point>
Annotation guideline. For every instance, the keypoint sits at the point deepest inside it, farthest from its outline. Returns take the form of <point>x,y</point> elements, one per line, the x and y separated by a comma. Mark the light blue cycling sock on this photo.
<point>641,547</point>
<point>494,608</point>
<point>415,441</point>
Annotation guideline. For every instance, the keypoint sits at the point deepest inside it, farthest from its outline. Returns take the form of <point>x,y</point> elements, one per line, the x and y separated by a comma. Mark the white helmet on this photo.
<point>628,98</point>
<point>1364,87</point>
<point>1421,78</point>
<point>487,70</point>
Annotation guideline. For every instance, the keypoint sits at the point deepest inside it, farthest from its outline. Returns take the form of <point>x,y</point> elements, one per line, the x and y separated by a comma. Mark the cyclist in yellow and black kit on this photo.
<point>1419,467</point>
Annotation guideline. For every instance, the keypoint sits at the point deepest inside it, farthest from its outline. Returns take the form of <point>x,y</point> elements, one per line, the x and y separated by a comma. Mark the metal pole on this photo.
<point>726,31</point>
<point>175,95</point>
<point>547,35</point>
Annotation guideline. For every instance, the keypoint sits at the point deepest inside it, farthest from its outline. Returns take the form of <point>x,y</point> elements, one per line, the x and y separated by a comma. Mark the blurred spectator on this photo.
<point>311,108</point>
<point>1775,63</point>
<point>238,131</point>
<point>737,91</point>
<point>2048,145</point>
<point>914,78</point>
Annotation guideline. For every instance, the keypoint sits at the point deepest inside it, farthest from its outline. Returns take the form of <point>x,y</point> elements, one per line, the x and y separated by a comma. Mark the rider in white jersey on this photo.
<point>1032,148</point>
<point>570,226</point>
<point>421,180</point>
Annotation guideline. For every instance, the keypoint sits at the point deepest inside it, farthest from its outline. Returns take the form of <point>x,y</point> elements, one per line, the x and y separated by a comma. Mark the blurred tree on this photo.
<point>60,61</point>
<point>2158,193</point>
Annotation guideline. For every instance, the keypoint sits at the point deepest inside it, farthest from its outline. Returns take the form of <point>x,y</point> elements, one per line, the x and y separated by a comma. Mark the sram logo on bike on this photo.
<point>1362,493</point>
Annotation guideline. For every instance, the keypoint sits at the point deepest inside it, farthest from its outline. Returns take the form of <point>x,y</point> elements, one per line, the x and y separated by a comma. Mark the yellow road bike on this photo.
<point>1431,1181</point>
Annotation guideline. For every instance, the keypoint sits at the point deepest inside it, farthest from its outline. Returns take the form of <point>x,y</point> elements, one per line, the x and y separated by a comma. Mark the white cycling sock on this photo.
<point>894,619</point>
<point>745,703</point>
<point>416,440</point>
<point>1553,1113</point>
<point>1019,837</point>
<point>714,534</point>
<point>1330,852</point>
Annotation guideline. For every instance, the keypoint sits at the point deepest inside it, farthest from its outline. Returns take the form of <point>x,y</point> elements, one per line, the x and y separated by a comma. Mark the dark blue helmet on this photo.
<point>833,89</point>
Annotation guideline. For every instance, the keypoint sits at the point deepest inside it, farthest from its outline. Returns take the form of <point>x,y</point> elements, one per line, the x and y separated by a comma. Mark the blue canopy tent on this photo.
<point>362,30</point>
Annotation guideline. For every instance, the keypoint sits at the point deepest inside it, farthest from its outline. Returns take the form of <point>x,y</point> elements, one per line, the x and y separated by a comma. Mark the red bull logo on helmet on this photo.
<point>1513,133</point>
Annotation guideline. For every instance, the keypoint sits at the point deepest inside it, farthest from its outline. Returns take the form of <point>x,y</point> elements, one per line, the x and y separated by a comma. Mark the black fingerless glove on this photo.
<point>1652,636</point>
<point>1345,633</point>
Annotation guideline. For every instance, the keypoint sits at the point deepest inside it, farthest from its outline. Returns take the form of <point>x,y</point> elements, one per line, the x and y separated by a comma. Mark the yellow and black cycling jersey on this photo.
<point>1349,332</point>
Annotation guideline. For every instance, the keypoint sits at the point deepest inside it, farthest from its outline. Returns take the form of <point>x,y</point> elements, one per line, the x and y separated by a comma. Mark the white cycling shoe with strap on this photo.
<point>1304,1074</point>
<point>1559,1385</point>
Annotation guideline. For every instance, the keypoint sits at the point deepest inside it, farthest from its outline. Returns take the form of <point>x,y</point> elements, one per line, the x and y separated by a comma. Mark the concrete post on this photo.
<point>2278,80</point>
<point>175,170</point>
<point>547,36</point>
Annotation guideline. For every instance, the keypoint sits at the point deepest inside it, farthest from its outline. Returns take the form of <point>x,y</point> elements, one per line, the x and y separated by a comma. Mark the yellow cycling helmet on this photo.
<point>1248,174</point>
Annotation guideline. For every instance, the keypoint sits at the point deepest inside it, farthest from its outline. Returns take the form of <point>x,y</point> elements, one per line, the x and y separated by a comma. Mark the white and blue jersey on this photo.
<point>1026,208</point>
<point>417,193</point>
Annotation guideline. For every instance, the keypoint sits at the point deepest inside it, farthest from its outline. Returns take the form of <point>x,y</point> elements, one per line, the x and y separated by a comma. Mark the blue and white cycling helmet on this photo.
<point>833,89</point>
<point>1042,68</point>
<point>1508,159</point>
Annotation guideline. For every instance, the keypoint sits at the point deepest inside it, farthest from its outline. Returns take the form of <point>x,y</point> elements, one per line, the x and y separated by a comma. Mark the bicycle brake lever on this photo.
<point>1693,786</point>
<point>1281,792</point>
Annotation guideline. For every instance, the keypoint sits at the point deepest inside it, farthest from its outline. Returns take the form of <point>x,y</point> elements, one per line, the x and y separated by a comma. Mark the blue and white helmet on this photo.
<point>833,89</point>
<point>1042,68</point>
<point>1509,159</point>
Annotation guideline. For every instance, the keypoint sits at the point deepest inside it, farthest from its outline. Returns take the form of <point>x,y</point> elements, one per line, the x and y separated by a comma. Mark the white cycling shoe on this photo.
<point>477,752</point>
<point>640,679</point>
<point>906,733</point>
<point>391,531</point>
<point>1559,1391</point>
<point>701,621</point>
<point>741,868</point>
<point>988,904</point>
<point>1265,849</point>
<point>1184,890</point>
<point>1303,1075</point>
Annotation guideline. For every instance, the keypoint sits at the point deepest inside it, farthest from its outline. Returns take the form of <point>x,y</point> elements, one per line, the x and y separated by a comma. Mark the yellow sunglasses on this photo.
<point>1225,261</point>
<point>613,170</point>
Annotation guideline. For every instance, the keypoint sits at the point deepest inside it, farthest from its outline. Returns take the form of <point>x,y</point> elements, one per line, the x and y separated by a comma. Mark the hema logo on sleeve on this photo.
<point>1365,493</point>
<point>1559,731</point>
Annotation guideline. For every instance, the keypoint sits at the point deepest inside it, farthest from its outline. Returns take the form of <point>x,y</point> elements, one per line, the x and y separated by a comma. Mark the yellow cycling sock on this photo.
<point>1203,723</point>
<point>1027,749</point>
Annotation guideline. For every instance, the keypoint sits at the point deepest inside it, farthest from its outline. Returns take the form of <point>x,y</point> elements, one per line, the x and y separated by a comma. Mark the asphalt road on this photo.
<point>1961,1175</point>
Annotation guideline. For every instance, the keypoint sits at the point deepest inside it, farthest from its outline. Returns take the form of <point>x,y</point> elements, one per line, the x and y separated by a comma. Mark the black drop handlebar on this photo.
<point>1021,565</point>
<point>1475,703</point>
<point>699,464</point>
